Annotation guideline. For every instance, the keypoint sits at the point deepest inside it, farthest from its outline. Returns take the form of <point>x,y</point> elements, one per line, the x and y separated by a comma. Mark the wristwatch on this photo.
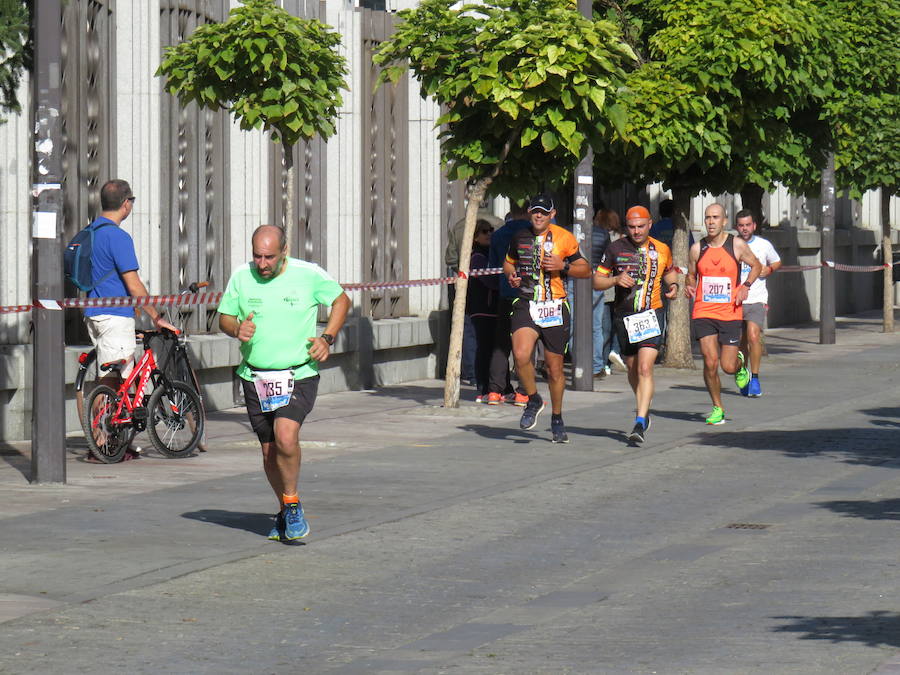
<point>565,269</point>
<point>747,284</point>
<point>328,338</point>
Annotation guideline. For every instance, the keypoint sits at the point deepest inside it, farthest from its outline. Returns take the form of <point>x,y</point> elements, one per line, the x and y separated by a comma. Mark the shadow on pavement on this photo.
<point>882,509</point>
<point>258,523</point>
<point>882,412</point>
<point>418,394</point>
<point>727,381</point>
<point>864,445</point>
<point>875,629</point>
<point>16,459</point>
<point>540,434</point>
<point>504,433</point>
<point>678,415</point>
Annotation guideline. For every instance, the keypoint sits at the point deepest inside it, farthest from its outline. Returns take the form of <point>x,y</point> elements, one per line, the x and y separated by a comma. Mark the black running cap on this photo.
<point>541,203</point>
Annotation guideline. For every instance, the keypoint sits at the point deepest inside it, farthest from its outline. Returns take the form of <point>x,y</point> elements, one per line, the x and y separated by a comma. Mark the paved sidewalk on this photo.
<point>453,540</point>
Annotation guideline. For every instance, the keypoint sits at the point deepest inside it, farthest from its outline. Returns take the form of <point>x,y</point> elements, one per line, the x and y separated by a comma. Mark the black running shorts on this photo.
<point>302,401</point>
<point>555,339</point>
<point>628,349</point>
<point>729,332</point>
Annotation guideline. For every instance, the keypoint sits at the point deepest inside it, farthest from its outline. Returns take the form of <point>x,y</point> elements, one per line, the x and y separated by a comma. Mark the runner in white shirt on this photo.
<point>755,306</point>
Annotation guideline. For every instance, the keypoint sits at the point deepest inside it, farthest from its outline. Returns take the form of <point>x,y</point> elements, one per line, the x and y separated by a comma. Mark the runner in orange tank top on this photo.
<point>714,284</point>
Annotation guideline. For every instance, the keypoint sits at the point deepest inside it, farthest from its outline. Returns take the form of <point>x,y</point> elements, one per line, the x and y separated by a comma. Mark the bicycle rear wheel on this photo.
<point>176,419</point>
<point>185,373</point>
<point>106,441</point>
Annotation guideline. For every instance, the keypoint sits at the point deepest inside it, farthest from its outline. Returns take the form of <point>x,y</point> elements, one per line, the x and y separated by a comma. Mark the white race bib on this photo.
<point>716,289</point>
<point>642,326</point>
<point>547,314</point>
<point>274,388</point>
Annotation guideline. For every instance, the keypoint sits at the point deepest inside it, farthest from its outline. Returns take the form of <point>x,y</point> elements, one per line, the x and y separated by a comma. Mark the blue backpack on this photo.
<point>77,263</point>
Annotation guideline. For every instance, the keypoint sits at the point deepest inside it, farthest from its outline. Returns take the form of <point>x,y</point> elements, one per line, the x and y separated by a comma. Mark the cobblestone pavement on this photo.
<point>451,541</point>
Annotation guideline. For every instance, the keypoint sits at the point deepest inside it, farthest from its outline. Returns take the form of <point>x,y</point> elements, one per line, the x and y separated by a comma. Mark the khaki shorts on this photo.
<point>756,312</point>
<point>113,338</point>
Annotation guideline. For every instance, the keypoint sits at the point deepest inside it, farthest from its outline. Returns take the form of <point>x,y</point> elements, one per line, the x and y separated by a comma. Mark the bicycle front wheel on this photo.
<point>176,419</point>
<point>106,441</point>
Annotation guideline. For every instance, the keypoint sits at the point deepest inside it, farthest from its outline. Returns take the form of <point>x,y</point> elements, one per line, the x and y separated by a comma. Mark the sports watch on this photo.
<point>328,338</point>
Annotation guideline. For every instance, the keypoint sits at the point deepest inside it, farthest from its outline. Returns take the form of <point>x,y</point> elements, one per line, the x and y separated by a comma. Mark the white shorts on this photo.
<point>113,337</point>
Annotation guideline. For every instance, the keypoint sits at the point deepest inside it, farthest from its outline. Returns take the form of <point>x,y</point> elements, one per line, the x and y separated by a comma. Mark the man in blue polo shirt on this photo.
<point>115,275</point>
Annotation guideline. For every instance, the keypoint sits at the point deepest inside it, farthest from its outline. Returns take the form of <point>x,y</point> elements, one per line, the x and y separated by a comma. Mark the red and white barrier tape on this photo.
<point>840,267</point>
<point>214,298</point>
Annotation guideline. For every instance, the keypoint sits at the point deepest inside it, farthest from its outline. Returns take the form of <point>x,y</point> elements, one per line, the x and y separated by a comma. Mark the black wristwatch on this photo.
<point>565,269</point>
<point>747,284</point>
<point>328,338</point>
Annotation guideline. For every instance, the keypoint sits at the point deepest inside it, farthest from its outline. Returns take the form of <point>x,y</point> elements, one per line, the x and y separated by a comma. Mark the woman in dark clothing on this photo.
<point>606,229</point>
<point>481,306</point>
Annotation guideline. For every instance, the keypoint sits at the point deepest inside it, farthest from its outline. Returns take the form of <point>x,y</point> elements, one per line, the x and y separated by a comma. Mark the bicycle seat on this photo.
<point>113,365</point>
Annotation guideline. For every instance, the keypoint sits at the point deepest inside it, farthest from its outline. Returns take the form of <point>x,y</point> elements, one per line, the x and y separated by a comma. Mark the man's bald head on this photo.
<point>716,209</point>
<point>270,231</point>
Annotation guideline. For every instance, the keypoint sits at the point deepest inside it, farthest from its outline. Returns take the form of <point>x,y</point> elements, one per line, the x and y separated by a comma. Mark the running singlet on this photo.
<point>525,252</point>
<point>718,276</point>
<point>646,265</point>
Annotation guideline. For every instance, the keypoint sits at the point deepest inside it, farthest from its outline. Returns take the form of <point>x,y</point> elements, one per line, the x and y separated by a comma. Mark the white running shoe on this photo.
<point>615,358</point>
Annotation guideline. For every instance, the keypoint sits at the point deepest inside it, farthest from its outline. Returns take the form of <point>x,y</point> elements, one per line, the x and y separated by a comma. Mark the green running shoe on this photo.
<point>717,416</point>
<point>741,377</point>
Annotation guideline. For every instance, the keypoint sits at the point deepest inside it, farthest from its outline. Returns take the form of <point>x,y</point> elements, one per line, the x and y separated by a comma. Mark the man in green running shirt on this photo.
<point>271,305</point>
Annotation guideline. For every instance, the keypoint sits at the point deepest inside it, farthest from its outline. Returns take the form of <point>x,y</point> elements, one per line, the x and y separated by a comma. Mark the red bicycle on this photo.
<point>172,414</point>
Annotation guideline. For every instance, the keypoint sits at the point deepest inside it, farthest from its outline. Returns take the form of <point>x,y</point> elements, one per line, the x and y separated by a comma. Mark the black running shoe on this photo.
<point>637,434</point>
<point>559,432</point>
<point>529,417</point>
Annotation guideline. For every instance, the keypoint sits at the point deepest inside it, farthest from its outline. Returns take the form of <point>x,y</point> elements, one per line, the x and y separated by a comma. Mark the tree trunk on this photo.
<point>454,357</point>
<point>888,255</point>
<point>289,197</point>
<point>678,336</point>
<point>751,198</point>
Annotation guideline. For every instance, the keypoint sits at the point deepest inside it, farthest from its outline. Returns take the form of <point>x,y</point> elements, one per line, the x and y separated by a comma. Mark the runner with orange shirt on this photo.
<point>538,260</point>
<point>714,273</point>
<point>638,265</point>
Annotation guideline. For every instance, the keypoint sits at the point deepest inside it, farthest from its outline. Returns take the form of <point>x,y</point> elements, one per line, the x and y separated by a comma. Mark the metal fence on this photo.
<point>194,152</point>
<point>385,176</point>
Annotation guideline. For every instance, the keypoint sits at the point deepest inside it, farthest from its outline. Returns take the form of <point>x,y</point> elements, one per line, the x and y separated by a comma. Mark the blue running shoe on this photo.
<point>295,525</point>
<point>753,389</point>
<point>277,530</point>
<point>529,417</point>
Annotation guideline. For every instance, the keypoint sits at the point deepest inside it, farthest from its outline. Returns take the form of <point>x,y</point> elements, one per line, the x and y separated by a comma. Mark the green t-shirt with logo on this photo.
<point>284,309</point>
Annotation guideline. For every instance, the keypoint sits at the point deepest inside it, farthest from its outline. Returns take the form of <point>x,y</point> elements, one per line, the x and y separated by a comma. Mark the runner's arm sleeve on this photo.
<point>512,255</point>
<point>327,290</point>
<point>230,303</point>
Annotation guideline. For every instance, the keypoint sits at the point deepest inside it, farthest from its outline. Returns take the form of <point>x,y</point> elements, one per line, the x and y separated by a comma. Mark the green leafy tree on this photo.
<point>717,88</point>
<point>861,111</point>
<point>526,85</point>
<point>269,69</point>
<point>15,53</point>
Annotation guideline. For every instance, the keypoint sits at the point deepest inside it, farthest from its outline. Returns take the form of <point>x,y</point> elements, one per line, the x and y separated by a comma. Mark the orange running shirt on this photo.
<point>718,277</point>
<point>646,265</point>
<point>525,252</point>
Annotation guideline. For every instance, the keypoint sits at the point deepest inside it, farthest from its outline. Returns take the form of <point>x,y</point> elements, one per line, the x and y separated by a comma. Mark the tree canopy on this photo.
<point>711,104</point>
<point>861,112</point>
<point>15,55</point>
<point>270,69</point>
<point>524,83</point>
